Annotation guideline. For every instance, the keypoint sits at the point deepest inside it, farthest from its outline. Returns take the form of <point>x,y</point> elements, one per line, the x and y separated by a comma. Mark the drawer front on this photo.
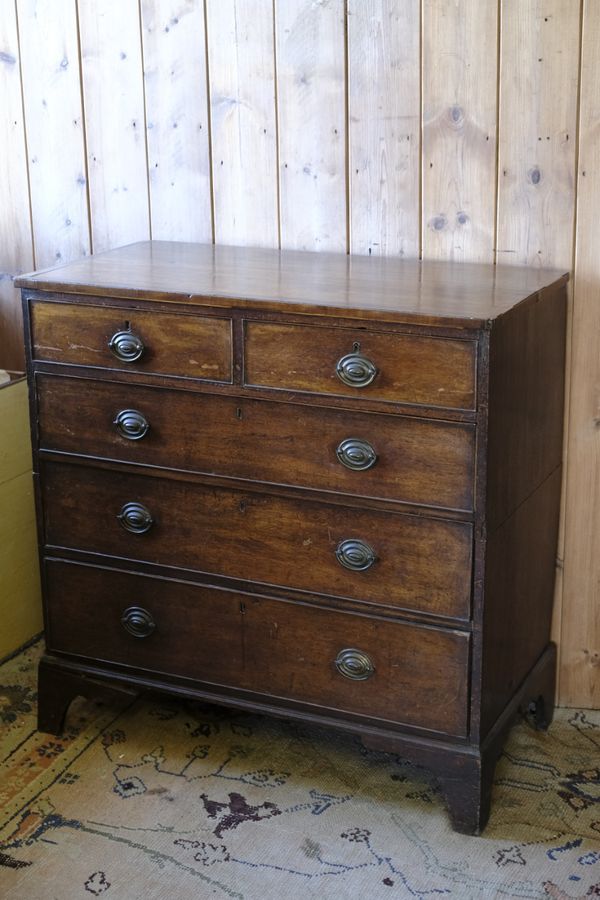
<point>389,457</point>
<point>420,564</point>
<point>196,347</point>
<point>339,661</point>
<point>401,368</point>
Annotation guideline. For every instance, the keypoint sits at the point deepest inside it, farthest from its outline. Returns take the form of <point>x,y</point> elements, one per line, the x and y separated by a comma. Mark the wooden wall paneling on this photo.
<point>384,119</point>
<point>55,140</point>
<point>537,132</point>
<point>243,121</point>
<point>310,59</point>
<point>174,58</point>
<point>539,74</point>
<point>459,129</point>
<point>580,626</point>
<point>115,123</point>
<point>16,248</point>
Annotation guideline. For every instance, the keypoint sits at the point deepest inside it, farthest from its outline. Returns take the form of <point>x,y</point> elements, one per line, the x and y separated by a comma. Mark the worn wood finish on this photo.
<point>281,650</point>
<point>417,461</point>
<point>189,347</point>
<point>432,567</point>
<point>383,127</point>
<point>526,391</point>
<point>516,620</point>
<point>432,293</point>
<point>410,369</point>
<point>422,564</point>
<point>530,82</point>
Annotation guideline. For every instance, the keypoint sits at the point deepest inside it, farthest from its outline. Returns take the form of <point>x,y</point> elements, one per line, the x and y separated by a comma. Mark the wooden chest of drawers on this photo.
<point>311,485</point>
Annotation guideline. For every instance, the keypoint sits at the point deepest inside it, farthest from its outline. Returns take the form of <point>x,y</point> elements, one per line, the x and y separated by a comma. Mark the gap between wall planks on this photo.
<point>441,128</point>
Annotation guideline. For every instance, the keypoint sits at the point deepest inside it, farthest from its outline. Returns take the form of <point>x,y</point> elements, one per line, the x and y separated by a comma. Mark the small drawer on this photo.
<point>386,558</point>
<point>197,347</point>
<point>340,662</point>
<point>400,458</point>
<point>401,368</point>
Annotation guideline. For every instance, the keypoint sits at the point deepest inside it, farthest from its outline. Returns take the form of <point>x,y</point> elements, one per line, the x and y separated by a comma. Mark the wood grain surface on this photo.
<point>371,70</point>
<point>243,122</point>
<point>55,135</point>
<point>460,69</point>
<point>467,296</point>
<point>113,96</point>
<point>384,127</point>
<point>417,461</point>
<point>580,625</point>
<point>264,645</point>
<point>422,564</point>
<point>16,242</point>
<point>177,126</point>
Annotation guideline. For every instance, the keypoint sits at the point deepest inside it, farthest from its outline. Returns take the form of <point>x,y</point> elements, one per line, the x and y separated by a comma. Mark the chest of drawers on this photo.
<point>309,485</point>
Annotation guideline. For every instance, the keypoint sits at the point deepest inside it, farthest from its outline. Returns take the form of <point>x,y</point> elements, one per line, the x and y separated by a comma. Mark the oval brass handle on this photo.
<point>354,664</point>
<point>138,621</point>
<point>126,346</point>
<point>356,370</point>
<point>356,454</point>
<point>131,424</point>
<point>355,555</point>
<point>136,518</point>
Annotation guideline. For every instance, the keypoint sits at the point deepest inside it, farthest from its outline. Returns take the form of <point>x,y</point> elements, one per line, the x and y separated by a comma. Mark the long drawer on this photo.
<point>387,558</point>
<point>402,368</point>
<point>339,661</point>
<point>390,457</point>
<point>197,347</point>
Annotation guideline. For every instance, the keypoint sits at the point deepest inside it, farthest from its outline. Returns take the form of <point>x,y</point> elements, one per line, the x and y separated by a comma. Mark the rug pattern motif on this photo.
<point>169,799</point>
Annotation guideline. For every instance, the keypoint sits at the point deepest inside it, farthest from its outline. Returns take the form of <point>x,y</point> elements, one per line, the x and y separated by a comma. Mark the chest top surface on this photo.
<point>452,294</point>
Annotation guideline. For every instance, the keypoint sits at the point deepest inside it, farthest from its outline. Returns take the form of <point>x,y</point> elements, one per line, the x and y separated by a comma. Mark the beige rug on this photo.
<point>175,800</point>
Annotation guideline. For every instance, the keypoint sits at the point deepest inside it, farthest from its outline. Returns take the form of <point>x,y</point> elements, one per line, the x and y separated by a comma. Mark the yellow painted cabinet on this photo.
<point>20,604</point>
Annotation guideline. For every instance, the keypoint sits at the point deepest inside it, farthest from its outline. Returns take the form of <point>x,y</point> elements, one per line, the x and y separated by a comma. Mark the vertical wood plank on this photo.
<point>16,250</point>
<point>537,138</point>
<point>114,113</point>
<point>244,137</point>
<point>580,626</point>
<point>384,126</point>
<point>177,119</point>
<point>310,52</point>
<point>459,129</point>
<point>536,166</point>
<point>53,115</point>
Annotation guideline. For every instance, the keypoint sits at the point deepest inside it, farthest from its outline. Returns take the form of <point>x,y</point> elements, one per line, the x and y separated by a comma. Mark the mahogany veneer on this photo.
<point>316,486</point>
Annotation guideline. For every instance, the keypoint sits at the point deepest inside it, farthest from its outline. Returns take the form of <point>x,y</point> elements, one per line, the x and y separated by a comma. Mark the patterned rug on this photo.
<point>171,799</point>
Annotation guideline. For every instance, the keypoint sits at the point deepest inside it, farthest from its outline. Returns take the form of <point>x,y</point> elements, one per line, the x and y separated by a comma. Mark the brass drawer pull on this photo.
<point>136,518</point>
<point>138,621</point>
<point>355,555</point>
<point>126,346</point>
<point>356,454</point>
<point>354,664</point>
<point>356,370</point>
<point>131,424</point>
